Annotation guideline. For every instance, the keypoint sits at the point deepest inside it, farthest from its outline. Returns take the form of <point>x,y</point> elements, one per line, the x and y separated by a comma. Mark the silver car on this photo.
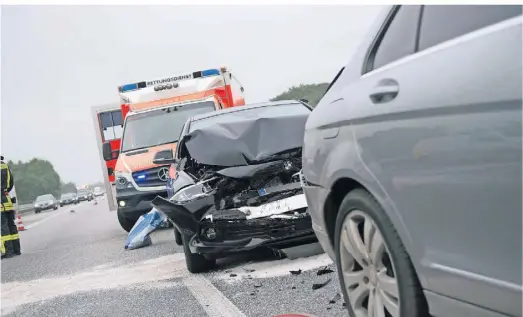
<point>412,164</point>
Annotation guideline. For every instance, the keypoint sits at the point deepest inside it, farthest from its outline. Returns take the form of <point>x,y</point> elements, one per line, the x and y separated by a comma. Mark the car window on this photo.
<point>44,197</point>
<point>399,38</point>
<point>459,20</point>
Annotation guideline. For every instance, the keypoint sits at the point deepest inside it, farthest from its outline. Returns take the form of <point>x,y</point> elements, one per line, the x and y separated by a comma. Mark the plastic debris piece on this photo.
<point>233,275</point>
<point>320,285</point>
<point>324,270</point>
<point>298,272</point>
<point>294,287</point>
<point>258,285</point>
<point>335,298</point>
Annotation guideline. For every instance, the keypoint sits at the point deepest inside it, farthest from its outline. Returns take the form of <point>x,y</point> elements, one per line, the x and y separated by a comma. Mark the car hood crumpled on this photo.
<point>243,142</point>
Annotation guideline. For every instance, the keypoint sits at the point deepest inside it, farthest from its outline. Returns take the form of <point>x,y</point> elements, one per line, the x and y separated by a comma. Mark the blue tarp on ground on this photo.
<point>139,235</point>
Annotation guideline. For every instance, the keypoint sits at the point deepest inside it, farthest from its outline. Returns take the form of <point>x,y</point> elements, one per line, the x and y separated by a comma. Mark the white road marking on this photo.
<point>152,272</point>
<point>277,268</point>
<point>148,274</point>
<point>210,298</point>
<point>54,215</point>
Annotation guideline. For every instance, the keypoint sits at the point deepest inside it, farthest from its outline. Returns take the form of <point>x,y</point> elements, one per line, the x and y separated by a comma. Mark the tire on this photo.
<point>126,223</point>
<point>196,263</point>
<point>177,237</point>
<point>359,202</point>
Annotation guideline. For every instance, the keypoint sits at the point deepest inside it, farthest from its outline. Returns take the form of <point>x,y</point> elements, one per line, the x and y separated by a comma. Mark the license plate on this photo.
<point>276,207</point>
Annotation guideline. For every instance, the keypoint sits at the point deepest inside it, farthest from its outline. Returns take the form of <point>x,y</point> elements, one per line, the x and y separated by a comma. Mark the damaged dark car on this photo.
<point>234,182</point>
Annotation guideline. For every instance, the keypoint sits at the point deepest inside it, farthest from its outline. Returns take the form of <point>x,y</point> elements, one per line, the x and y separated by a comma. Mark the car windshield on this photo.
<point>44,197</point>
<point>66,196</point>
<point>160,126</point>
<point>82,192</point>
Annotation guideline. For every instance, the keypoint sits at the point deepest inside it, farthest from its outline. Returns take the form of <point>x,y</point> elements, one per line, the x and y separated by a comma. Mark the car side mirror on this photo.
<point>108,153</point>
<point>164,157</point>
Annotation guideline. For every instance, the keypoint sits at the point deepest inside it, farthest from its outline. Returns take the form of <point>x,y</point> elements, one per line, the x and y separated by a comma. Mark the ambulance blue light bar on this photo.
<point>171,80</point>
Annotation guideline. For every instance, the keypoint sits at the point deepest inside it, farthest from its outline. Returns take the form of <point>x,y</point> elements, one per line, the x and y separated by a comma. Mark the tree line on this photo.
<point>37,177</point>
<point>311,92</point>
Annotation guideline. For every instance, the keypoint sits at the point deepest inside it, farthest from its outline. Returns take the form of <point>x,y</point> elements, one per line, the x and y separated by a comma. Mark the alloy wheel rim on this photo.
<point>368,271</point>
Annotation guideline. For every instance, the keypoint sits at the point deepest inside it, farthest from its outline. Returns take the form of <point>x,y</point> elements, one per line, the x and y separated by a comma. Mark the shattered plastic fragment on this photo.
<point>298,272</point>
<point>335,298</point>
<point>316,286</point>
<point>258,285</point>
<point>233,275</point>
<point>324,270</point>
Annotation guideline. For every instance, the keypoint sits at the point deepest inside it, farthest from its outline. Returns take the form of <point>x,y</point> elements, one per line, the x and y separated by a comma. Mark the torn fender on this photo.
<point>187,216</point>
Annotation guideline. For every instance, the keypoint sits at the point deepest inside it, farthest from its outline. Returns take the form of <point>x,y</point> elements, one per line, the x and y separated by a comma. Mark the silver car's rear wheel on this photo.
<point>368,271</point>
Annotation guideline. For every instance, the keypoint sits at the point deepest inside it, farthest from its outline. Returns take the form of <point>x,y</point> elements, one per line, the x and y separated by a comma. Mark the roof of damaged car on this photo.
<point>243,108</point>
<point>247,135</point>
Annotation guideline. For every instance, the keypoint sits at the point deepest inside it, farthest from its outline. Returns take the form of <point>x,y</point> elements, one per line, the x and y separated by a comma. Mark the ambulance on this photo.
<point>154,113</point>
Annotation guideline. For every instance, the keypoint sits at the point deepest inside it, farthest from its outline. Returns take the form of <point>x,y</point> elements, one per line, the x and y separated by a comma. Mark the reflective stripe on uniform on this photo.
<point>9,237</point>
<point>4,167</point>
<point>7,206</point>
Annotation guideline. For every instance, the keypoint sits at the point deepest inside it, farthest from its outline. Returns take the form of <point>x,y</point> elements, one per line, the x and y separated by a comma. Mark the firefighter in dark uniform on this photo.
<point>10,239</point>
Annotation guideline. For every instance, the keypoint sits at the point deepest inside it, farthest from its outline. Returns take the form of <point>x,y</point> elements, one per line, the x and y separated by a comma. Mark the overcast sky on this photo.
<point>57,62</point>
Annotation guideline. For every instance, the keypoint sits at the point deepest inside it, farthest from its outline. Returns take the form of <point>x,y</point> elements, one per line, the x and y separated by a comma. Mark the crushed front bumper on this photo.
<point>232,230</point>
<point>245,234</point>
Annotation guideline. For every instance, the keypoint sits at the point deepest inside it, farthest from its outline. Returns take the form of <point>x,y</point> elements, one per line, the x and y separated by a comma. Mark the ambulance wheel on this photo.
<point>196,263</point>
<point>126,223</point>
<point>177,237</point>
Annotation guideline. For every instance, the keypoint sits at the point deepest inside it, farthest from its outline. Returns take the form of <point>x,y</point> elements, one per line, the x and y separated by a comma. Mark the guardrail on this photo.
<point>22,209</point>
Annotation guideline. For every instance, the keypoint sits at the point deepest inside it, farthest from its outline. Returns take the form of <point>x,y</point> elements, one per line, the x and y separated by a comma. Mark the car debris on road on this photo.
<point>139,235</point>
<point>316,286</point>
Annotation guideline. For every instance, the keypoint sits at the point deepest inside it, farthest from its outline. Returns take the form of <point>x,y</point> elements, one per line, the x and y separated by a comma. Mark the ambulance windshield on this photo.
<point>161,126</point>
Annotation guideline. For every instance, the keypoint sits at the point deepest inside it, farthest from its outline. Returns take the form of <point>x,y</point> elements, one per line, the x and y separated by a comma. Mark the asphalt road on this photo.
<point>74,264</point>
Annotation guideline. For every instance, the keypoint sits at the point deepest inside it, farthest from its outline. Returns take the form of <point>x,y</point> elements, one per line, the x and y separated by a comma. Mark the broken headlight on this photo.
<point>192,192</point>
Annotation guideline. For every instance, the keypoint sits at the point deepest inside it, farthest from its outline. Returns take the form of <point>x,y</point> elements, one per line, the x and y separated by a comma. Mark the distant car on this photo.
<point>412,164</point>
<point>45,202</point>
<point>67,199</point>
<point>84,195</point>
<point>98,192</point>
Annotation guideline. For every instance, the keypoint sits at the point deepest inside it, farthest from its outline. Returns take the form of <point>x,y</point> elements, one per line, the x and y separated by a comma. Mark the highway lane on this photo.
<point>74,264</point>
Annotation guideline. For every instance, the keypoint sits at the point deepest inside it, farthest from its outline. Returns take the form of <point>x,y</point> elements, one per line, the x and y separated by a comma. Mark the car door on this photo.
<point>439,126</point>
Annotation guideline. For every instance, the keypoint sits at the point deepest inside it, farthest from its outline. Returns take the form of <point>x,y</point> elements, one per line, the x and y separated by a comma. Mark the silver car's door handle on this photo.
<point>386,91</point>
